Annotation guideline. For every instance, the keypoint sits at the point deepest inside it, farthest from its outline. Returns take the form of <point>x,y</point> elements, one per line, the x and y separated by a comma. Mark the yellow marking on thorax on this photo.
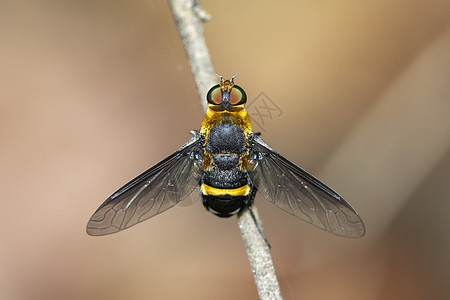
<point>212,191</point>
<point>213,118</point>
<point>239,118</point>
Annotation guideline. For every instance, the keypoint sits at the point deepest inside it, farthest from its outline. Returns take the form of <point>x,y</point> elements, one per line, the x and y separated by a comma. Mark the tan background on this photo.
<point>94,92</point>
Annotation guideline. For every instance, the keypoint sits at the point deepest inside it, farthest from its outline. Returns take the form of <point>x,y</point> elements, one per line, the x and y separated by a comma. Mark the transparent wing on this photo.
<point>300,194</point>
<point>154,191</point>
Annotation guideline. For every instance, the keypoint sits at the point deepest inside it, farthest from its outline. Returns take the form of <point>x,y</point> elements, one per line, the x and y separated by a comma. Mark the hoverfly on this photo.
<point>229,163</point>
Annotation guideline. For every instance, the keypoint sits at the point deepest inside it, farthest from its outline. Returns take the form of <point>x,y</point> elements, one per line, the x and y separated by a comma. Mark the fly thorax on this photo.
<point>225,144</point>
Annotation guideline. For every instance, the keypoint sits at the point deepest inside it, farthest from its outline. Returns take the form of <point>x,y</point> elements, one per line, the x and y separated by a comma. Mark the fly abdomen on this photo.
<point>225,202</point>
<point>225,192</point>
<point>225,206</point>
<point>225,179</point>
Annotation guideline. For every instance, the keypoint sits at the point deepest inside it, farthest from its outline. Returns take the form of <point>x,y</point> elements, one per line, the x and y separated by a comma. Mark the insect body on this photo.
<point>225,183</point>
<point>229,163</point>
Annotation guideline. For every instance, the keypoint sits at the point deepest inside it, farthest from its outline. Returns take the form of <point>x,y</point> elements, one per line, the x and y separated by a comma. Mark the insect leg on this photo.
<point>261,232</point>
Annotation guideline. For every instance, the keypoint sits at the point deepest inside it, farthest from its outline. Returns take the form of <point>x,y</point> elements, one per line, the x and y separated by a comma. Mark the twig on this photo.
<point>259,256</point>
<point>189,17</point>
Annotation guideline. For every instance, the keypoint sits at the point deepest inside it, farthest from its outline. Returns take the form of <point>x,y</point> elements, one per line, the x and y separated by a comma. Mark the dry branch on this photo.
<point>188,17</point>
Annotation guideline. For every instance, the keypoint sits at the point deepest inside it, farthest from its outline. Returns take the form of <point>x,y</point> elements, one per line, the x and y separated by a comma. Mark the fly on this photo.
<point>229,163</point>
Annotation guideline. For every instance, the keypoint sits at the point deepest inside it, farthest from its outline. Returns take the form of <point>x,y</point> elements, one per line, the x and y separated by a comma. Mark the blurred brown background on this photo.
<point>94,92</point>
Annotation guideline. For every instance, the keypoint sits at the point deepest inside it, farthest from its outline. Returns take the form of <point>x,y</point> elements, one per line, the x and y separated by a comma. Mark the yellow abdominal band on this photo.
<point>212,191</point>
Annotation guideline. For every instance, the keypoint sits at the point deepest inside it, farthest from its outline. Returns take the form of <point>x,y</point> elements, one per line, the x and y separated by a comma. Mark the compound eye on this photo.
<point>237,96</point>
<point>214,95</point>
